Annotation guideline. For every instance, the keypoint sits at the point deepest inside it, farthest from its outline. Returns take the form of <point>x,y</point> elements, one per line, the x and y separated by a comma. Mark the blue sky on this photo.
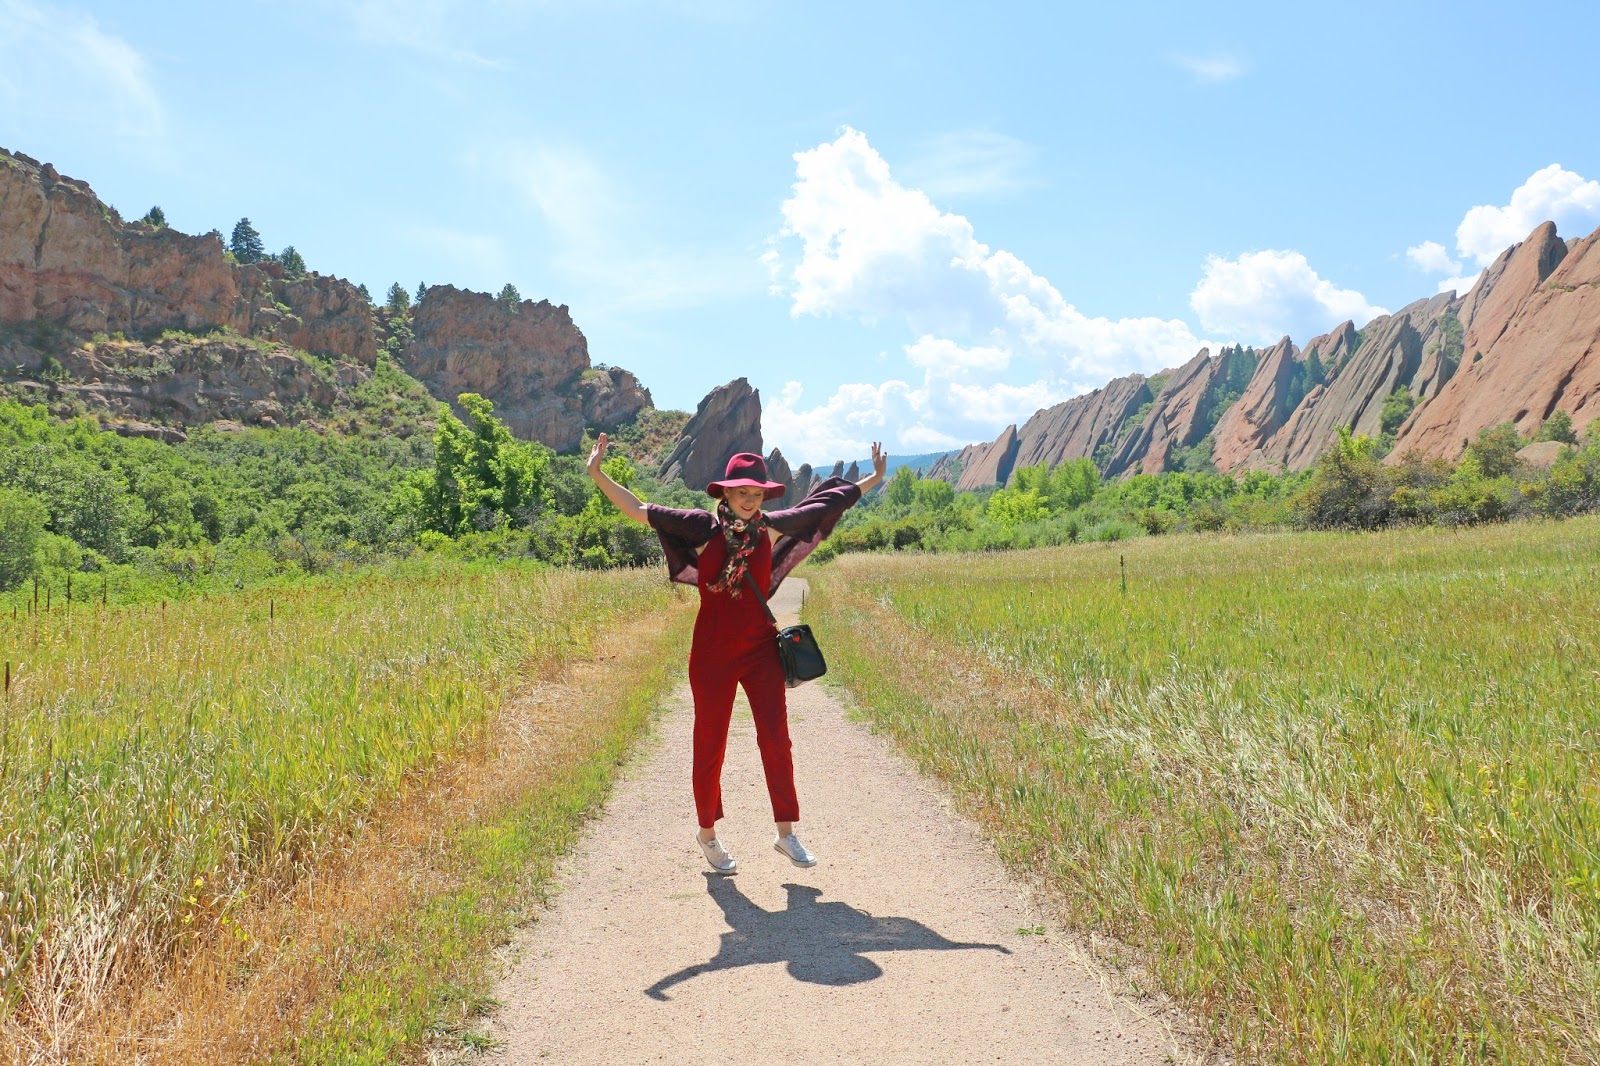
<point>908,222</point>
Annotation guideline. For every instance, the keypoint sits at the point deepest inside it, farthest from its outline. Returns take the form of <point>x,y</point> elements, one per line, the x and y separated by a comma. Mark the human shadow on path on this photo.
<point>822,943</point>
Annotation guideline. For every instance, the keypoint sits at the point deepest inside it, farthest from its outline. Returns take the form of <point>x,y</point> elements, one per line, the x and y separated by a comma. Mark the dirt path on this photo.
<point>908,943</point>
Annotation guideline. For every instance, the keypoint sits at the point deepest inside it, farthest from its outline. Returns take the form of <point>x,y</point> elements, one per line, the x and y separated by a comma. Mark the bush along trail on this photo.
<point>1336,791</point>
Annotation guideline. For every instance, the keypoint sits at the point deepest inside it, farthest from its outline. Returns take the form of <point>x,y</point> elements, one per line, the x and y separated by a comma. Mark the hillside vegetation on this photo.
<point>1350,487</point>
<point>1337,791</point>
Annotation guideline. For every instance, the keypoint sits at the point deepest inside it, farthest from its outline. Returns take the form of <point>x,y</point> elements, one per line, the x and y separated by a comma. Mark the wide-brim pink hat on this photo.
<point>746,468</point>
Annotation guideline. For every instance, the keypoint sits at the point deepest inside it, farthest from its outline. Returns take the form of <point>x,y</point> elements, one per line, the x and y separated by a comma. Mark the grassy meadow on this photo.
<point>167,769</point>
<point>1339,793</point>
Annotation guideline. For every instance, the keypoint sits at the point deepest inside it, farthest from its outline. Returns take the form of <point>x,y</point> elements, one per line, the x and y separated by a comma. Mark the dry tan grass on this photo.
<point>246,988</point>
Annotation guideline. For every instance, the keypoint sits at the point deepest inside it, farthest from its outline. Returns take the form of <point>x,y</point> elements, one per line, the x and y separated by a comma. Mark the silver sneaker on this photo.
<point>793,850</point>
<point>716,855</point>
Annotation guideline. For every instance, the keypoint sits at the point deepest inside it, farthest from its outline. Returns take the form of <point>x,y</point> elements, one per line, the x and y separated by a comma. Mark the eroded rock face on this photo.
<point>1267,403</point>
<point>530,360</point>
<point>1176,419</point>
<point>988,464</point>
<point>158,389</point>
<point>778,470</point>
<point>1532,345</point>
<point>67,258</point>
<point>728,421</point>
<point>1079,427</point>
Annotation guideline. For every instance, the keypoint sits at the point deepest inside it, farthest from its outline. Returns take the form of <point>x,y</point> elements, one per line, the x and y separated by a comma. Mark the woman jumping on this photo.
<point>734,640</point>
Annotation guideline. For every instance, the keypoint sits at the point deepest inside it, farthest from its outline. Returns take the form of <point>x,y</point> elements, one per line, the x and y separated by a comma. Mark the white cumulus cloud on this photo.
<point>1431,258</point>
<point>1553,194</point>
<point>876,249</point>
<point>1261,296</point>
<point>994,341</point>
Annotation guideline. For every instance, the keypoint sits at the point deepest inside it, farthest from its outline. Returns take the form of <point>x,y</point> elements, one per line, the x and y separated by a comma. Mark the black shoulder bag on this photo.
<point>797,648</point>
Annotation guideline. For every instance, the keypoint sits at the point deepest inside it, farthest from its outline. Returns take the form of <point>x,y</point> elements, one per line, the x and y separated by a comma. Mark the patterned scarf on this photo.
<point>742,535</point>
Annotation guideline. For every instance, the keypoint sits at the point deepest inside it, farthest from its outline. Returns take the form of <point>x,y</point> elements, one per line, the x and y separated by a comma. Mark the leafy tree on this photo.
<point>509,298</point>
<point>294,264</point>
<point>245,244</point>
<point>902,488</point>
<point>1396,409</point>
<point>934,494</point>
<point>1557,427</point>
<point>1073,484</point>
<point>1495,450</point>
<point>155,217</point>
<point>22,521</point>
<point>399,301</point>
<point>1013,506</point>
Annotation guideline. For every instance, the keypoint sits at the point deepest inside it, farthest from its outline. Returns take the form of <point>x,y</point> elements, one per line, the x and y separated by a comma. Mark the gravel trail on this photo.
<point>908,943</point>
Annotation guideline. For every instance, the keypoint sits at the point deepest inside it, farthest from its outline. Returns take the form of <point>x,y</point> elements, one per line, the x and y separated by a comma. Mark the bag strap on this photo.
<point>752,583</point>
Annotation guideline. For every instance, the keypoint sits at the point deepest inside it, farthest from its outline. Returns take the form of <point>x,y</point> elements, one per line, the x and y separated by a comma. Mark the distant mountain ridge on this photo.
<point>1522,342</point>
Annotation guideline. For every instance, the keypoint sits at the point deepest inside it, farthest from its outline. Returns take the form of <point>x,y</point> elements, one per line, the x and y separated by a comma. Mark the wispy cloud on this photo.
<point>607,238</point>
<point>1212,69</point>
<point>431,27</point>
<point>972,163</point>
<point>60,66</point>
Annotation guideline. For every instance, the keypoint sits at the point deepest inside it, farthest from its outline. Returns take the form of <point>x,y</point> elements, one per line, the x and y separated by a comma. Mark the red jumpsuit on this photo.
<point>735,644</point>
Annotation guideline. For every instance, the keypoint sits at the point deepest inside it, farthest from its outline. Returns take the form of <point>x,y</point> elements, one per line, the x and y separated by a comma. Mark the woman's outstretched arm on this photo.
<point>626,501</point>
<point>880,467</point>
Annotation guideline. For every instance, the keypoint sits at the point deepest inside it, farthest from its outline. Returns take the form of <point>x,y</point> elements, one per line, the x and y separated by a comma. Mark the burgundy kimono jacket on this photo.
<point>801,528</point>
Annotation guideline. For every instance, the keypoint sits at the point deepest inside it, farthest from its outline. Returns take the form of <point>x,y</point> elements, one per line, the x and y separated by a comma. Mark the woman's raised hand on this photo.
<point>880,459</point>
<point>597,456</point>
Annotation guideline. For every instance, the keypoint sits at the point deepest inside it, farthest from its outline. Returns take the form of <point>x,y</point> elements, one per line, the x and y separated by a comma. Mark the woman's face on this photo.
<point>745,500</point>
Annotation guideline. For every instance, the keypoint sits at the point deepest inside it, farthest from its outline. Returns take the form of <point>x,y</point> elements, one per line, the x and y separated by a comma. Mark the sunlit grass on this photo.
<point>160,766</point>
<point>1343,791</point>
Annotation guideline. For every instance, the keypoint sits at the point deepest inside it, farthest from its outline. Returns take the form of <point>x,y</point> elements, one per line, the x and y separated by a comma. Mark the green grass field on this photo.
<point>161,765</point>
<point>1340,793</point>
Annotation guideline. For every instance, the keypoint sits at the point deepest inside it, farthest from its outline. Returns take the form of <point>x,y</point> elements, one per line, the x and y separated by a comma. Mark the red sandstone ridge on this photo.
<point>529,359</point>
<point>67,258</point>
<point>727,421</point>
<point>1523,342</point>
<point>1532,345</point>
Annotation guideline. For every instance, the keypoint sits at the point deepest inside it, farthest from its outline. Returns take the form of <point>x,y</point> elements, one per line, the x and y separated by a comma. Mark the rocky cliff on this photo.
<point>72,272</point>
<point>529,358</point>
<point>68,259</point>
<point>1523,342</point>
<point>727,421</point>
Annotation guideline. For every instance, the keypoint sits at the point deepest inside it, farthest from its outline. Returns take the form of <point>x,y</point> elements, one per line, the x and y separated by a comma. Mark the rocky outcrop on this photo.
<point>1268,401</point>
<point>778,470</point>
<point>727,421</point>
<point>1177,418</point>
<point>1532,344</point>
<point>68,259</point>
<point>159,389</point>
<point>528,358</point>
<point>1082,425</point>
<point>989,464</point>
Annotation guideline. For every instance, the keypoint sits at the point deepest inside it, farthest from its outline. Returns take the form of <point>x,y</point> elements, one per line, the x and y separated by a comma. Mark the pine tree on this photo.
<point>509,298</point>
<point>399,300</point>
<point>155,217</point>
<point>366,294</point>
<point>246,243</point>
<point>422,290</point>
<point>294,264</point>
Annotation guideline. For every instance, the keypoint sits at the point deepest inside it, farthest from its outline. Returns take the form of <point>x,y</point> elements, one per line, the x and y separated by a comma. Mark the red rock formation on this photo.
<point>1265,406</point>
<point>778,470</point>
<point>1532,345</point>
<point>1179,415</point>
<point>67,258</point>
<point>1357,381</point>
<point>1079,427</point>
<point>989,464</point>
<point>727,421</point>
<point>530,360</point>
